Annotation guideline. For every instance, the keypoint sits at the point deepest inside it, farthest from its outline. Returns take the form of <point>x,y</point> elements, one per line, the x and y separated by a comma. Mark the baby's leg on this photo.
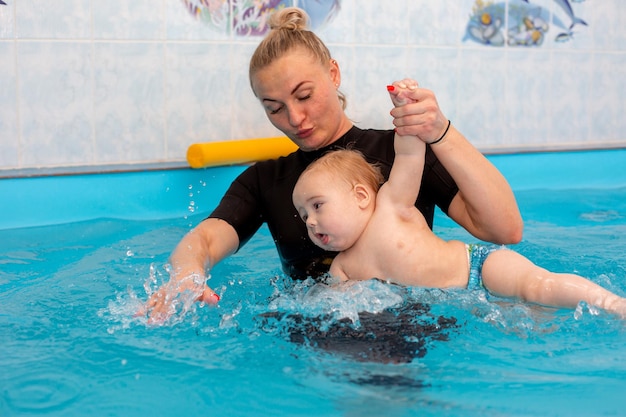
<point>509,274</point>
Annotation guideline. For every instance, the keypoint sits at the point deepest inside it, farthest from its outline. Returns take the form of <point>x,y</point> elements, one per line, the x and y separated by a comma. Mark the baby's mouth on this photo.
<point>322,238</point>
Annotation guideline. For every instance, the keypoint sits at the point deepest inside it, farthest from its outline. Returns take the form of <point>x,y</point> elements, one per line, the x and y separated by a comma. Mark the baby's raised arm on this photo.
<point>405,178</point>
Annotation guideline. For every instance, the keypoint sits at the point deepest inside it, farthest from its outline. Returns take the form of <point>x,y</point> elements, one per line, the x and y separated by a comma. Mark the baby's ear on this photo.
<point>363,195</point>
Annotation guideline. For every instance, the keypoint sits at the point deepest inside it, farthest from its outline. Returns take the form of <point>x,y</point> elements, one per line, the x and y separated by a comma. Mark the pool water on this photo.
<point>70,343</point>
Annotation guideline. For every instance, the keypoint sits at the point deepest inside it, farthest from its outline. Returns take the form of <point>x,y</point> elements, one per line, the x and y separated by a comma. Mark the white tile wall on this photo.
<point>42,19</point>
<point>91,82</point>
<point>606,95</point>
<point>125,20</point>
<point>54,102</point>
<point>129,101</point>
<point>528,97</point>
<point>9,139</point>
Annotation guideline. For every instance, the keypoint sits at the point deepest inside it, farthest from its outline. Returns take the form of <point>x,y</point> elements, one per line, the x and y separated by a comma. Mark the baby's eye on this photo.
<point>317,206</point>
<point>304,217</point>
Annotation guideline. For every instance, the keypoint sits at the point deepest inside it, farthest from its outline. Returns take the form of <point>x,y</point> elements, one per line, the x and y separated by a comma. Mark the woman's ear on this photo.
<point>363,195</point>
<point>335,73</point>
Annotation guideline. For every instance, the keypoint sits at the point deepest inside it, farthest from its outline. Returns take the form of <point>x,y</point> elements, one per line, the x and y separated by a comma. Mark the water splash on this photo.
<point>181,297</point>
<point>579,312</point>
<point>338,301</point>
<point>123,311</point>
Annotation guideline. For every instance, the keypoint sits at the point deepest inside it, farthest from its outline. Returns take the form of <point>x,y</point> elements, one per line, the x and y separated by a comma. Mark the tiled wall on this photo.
<point>92,82</point>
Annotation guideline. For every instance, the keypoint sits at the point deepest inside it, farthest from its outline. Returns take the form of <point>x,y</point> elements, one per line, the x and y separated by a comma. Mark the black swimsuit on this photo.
<point>262,194</point>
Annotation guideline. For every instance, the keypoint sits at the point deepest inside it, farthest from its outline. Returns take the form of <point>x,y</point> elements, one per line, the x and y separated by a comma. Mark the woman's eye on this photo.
<point>274,111</point>
<point>308,96</point>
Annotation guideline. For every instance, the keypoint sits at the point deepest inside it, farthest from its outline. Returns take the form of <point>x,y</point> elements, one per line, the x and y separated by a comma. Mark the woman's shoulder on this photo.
<point>275,171</point>
<point>375,144</point>
<point>368,135</point>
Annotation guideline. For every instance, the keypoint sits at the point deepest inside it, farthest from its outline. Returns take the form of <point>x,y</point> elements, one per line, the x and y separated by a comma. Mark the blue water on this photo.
<point>70,345</point>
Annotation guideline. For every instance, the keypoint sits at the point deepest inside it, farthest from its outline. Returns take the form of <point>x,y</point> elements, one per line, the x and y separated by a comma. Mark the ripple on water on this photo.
<point>602,215</point>
<point>41,391</point>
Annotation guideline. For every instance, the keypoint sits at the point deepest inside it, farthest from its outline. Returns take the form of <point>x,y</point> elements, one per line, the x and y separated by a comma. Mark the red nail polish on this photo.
<point>390,88</point>
<point>216,297</point>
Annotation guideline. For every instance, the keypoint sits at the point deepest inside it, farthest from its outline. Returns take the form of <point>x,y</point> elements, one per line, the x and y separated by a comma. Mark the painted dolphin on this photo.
<point>567,7</point>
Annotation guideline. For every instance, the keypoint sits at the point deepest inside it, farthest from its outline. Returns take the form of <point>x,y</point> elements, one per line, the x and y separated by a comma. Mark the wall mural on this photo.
<point>249,17</point>
<point>513,22</point>
<point>528,22</point>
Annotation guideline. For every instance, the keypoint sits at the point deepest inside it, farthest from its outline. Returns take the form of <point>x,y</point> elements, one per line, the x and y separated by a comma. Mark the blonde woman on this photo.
<point>297,83</point>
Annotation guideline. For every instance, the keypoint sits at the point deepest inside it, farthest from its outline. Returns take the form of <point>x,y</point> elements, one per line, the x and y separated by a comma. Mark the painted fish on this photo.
<point>564,37</point>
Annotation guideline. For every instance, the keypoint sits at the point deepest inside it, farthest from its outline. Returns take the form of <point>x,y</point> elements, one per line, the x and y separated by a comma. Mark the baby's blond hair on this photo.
<point>350,166</point>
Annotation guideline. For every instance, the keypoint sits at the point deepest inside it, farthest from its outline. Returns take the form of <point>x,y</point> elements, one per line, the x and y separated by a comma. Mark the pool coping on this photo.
<point>182,164</point>
<point>159,191</point>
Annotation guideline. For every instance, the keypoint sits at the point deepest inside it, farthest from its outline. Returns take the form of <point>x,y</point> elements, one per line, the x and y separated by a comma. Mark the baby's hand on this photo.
<point>399,89</point>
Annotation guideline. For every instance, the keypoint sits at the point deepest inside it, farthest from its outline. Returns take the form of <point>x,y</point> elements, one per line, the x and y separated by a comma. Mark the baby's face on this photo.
<point>329,209</point>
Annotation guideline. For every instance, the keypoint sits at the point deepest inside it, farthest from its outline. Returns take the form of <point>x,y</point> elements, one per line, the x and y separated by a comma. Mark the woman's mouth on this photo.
<point>304,133</point>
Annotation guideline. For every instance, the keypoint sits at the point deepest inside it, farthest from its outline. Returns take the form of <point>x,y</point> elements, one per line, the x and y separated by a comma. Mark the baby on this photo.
<point>380,234</point>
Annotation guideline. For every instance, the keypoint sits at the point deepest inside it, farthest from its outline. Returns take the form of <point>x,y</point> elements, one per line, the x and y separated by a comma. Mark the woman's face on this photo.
<point>299,96</point>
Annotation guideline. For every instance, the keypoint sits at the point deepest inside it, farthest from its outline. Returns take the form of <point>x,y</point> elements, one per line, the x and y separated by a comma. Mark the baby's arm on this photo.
<point>404,181</point>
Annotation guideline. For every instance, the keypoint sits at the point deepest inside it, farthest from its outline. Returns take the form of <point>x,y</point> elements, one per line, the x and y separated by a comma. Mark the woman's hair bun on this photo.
<point>290,18</point>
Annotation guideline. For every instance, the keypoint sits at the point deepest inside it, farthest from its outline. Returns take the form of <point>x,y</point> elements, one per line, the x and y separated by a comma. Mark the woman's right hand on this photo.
<point>208,243</point>
<point>177,295</point>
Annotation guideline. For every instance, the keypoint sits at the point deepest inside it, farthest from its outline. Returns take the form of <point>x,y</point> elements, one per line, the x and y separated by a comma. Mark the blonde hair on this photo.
<point>349,165</point>
<point>288,30</point>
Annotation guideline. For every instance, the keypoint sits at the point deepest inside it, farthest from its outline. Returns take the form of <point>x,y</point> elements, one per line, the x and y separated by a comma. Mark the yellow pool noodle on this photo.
<point>201,155</point>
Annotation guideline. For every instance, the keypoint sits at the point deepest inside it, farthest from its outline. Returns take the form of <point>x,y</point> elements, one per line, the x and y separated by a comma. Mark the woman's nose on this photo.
<point>296,116</point>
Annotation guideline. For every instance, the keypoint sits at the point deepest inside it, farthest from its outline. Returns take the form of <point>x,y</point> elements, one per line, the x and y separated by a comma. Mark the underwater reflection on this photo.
<point>394,335</point>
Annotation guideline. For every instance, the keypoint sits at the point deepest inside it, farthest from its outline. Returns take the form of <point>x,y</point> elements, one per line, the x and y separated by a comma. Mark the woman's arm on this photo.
<point>207,244</point>
<point>485,205</point>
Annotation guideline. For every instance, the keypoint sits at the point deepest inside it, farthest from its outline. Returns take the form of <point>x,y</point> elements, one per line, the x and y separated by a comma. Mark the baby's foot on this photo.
<point>618,307</point>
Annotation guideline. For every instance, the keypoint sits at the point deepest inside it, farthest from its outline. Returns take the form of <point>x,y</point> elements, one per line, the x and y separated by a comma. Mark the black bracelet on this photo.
<point>442,136</point>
